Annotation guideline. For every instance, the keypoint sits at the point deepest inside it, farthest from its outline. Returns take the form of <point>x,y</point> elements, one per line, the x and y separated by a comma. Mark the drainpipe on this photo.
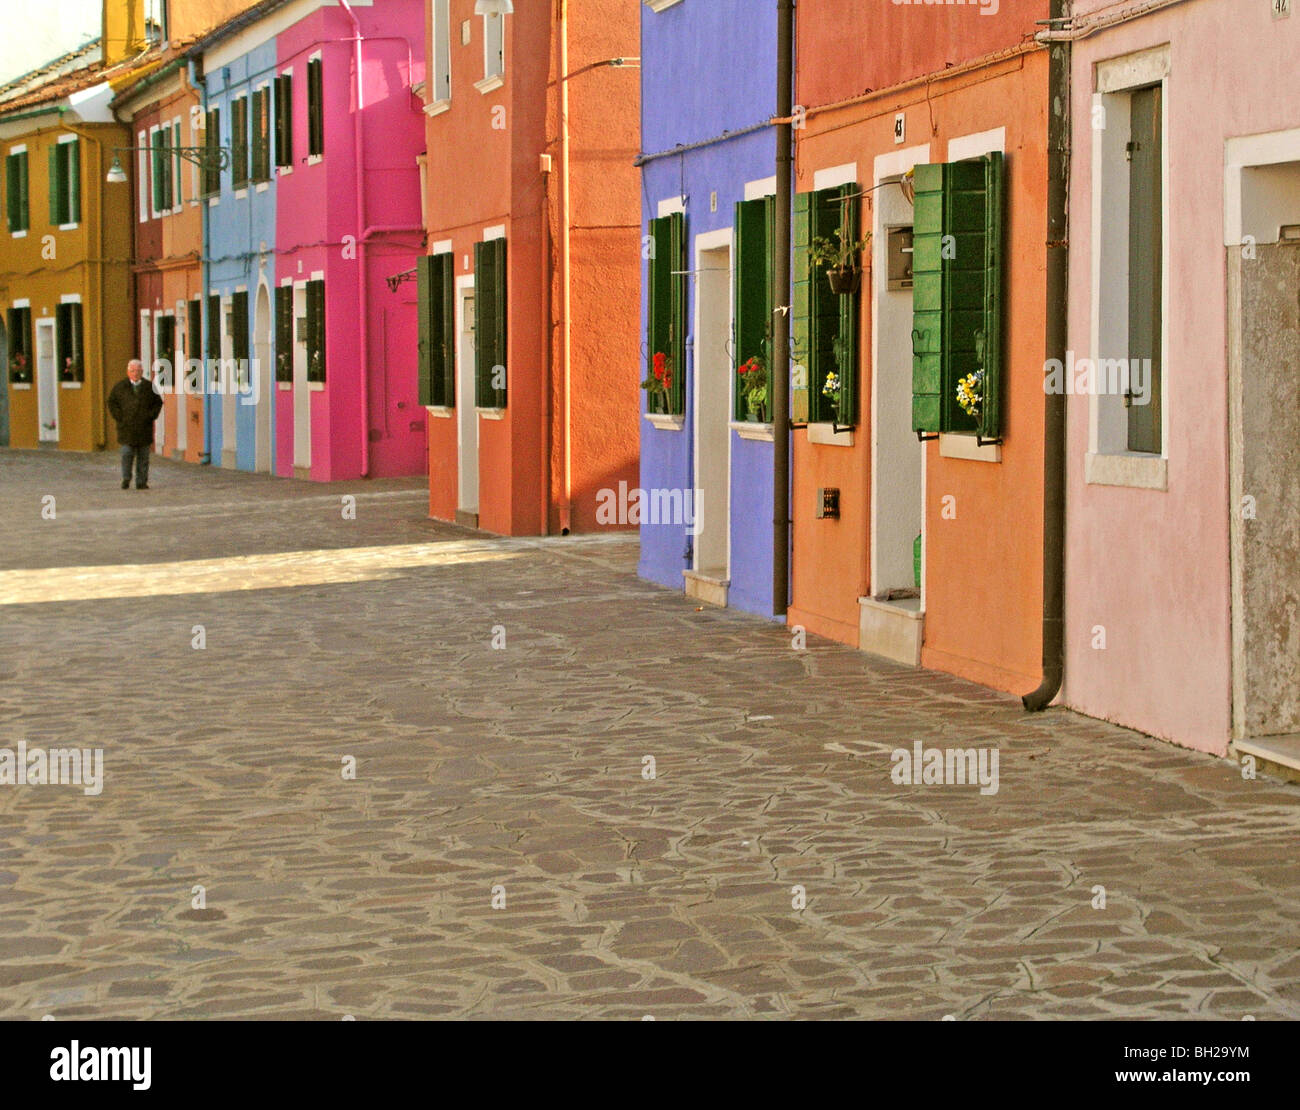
<point>548,367</point>
<point>205,272</point>
<point>363,295</point>
<point>1054,455</point>
<point>781,316</point>
<point>565,275</point>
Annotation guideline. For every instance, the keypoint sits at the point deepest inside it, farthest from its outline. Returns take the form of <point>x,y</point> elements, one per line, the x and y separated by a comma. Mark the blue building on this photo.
<point>708,94</point>
<point>240,248</point>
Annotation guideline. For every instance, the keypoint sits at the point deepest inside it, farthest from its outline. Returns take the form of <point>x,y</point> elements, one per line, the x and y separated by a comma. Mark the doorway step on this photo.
<point>706,587</point>
<point>1279,754</point>
<point>892,628</point>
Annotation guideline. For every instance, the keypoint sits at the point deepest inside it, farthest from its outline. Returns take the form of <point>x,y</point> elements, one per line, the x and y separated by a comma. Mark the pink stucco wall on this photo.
<point>1152,567</point>
<point>323,214</point>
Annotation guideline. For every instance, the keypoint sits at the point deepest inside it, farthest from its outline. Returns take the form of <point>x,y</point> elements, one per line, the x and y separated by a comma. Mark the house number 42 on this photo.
<point>1281,8</point>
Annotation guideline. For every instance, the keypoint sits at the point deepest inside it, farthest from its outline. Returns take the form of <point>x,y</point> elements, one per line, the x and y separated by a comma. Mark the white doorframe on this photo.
<point>714,313</point>
<point>467,492</point>
<point>262,376</point>
<point>227,393</point>
<point>47,381</point>
<point>182,335</point>
<point>301,394</point>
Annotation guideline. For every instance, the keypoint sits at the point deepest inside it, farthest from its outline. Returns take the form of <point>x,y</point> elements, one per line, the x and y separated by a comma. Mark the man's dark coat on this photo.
<point>135,410</point>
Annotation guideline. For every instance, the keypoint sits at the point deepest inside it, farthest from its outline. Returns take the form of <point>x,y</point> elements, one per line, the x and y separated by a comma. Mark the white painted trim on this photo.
<point>1145,67</point>
<point>68,227</point>
<point>284,387</point>
<point>442,412</point>
<point>756,190</point>
<point>665,422</point>
<point>67,139</point>
<point>438,107</point>
<point>1136,471</point>
<point>440,246</point>
<point>671,205</point>
<point>823,433</point>
<point>70,298</point>
<point>18,234</point>
<point>1248,151</point>
<point>69,385</point>
<point>657,6</point>
<point>496,231</point>
<point>488,84</point>
<point>832,176</point>
<point>490,414</point>
<point>708,241</point>
<point>748,429</point>
<point>981,142</point>
<point>21,302</point>
<point>964,447</point>
<point>20,148</point>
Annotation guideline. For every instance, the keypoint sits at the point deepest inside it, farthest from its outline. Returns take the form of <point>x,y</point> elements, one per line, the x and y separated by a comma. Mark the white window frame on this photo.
<point>1115,80</point>
<point>318,56</point>
<point>440,22</point>
<point>62,139</point>
<point>69,298</point>
<point>492,78</point>
<point>21,148</point>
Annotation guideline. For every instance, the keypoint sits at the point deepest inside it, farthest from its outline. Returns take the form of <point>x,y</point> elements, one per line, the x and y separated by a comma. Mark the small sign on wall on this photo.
<point>900,127</point>
<point>1281,8</point>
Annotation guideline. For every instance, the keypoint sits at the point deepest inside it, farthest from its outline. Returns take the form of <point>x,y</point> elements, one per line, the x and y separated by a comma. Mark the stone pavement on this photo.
<point>524,769</point>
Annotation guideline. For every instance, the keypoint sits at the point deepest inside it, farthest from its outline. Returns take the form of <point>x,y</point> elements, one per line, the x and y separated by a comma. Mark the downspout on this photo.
<point>548,365</point>
<point>1057,334</point>
<point>565,276</point>
<point>780,317</point>
<point>205,278</point>
<point>363,297</point>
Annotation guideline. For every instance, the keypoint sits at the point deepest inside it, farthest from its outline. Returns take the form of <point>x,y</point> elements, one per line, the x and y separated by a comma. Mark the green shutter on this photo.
<point>194,329</point>
<point>423,301</point>
<point>316,348</point>
<point>753,294</point>
<point>801,311</point>
<point>825,219</point>
<point>444,270</point>
<point>846,323</point>
<point>12,191</point>
<point>927,298</point>
<point>658,302</point>
<point>1145,219</point>
<point>56,209</point>
<point>284,333</point>
<point>315,108</point>
<point>677,306</point>
<point>490,329</point>
<point>73,156</point>
<point>158,162</point>
<point>18,209</point>
<point>666,318</point>
<point>284,120</point>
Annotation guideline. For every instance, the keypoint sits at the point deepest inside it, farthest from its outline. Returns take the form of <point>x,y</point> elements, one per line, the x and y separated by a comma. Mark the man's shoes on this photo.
<point>126,484</point>
<point>145,486</point>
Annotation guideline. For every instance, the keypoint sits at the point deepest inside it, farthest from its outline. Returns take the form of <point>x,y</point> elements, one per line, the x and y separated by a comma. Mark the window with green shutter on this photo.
<point>193,339</point>
<point>161,172</point>
<point>284,333</point>
<point>70,341</point>
<point>262,134</point>
<point>824,326</point>
<point>435,281</point>
<point>666,313</point>
<point>957,298</point>
<point>211,172</point>
<point>316,331</point>
<point>284,120</point>
<point>752,338</point>
<point>65,183</point>
<point>490,307</point>
<point>315,107</point>
<point>20,344</point>
<point>213,370</point>
<point>164,367</point>
<point>16,191</point>
<point>239,345</point>
<point>239,142</point>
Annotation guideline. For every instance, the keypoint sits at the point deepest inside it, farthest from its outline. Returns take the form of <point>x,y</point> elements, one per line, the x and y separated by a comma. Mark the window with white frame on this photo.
<point>494,46</point>
<point>440,84</point>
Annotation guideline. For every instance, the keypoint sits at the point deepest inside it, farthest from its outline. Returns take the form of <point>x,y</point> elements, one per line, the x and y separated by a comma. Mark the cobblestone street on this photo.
<point>517,775</point>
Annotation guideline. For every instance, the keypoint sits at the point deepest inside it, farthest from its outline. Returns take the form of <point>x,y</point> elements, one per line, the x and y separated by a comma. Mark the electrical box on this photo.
<point>828,503</point>
<point>899,260</point>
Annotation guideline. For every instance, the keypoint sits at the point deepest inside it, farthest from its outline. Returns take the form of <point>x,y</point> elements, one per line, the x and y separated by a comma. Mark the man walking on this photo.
<point>134,404</point>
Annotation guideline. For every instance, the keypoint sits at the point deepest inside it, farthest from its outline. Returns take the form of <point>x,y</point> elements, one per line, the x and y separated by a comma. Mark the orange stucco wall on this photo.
<point>483,170</point>
<point>983,576</point>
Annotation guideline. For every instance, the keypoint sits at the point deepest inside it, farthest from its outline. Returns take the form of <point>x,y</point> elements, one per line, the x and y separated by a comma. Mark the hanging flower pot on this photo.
<point>844,280</point>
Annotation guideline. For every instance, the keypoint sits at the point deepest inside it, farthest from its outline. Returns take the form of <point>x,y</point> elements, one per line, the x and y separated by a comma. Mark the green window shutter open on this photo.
<point>12,192</point>
<point>284,120</point>
<point>72,161</point>
<point>957,293</point>
<point>284,333</point>
<point>24,207</point>
<point>261,134</point>
<point>212,140</point>
<point>753,284</point>
<point>444,271</point>
<point>490,329</point>
<point>316,352</point>
<point>666,316</point>
<point>158,169</point>
<point>194,329</point>
<point>55,190</point>
<point>424,299</point>
<point>801,311</point>
<point>239,142</point>
<point>315,107</point>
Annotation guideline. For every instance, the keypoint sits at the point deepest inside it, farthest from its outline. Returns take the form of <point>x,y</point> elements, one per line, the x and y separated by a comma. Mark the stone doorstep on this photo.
<point>706,588</point>
<point>467,519</point>
<point>893,629</point>
<point>1281,753</point>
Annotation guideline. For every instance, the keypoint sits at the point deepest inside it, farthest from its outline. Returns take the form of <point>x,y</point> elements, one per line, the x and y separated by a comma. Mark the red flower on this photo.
<point>661,365</point>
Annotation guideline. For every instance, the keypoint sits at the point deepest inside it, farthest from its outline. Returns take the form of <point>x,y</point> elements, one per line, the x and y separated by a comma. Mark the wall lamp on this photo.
<point>206,158</point>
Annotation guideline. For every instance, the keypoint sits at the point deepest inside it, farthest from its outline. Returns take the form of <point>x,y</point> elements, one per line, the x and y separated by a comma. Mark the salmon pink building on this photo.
<point>529,358</point>
<point>917,498</point>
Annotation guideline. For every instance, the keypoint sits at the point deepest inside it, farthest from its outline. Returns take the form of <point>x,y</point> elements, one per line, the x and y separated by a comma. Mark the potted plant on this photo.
<point>970,393</point>
<point>840,258</point>
<point>753,383</point>
<point>19,371</point>
<point>658,386</point>
<point>72,369</point>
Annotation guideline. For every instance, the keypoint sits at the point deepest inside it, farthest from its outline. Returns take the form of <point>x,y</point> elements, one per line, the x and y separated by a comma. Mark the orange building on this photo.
<point>529,295</point>
<point>918,512</point>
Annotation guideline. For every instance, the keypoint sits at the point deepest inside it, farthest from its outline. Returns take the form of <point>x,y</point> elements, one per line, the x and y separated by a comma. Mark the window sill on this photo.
<point>283,386</point>
<point>438,107</point>
<point>283,171</point>
<point>20,385</point>
<point>262,186</point>
<point>491,414</point>
<point>660,5</point>
<point>241,192</point>
<point>314,159</point>
<point>212,201</point>
<point>68,227</point>
<point>748,429</point>
<point>442,412</point>
<point>316,387</point>
<point>827,437</point>
<point>952,446</point>
<point>489,83</point>
<point>666,422</point>
<point>19,234</point>
<point>69,385</point>
<point>1133,470</point>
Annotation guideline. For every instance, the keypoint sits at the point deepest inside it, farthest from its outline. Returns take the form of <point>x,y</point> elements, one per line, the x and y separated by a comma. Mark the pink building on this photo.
<point>1182,610</point>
